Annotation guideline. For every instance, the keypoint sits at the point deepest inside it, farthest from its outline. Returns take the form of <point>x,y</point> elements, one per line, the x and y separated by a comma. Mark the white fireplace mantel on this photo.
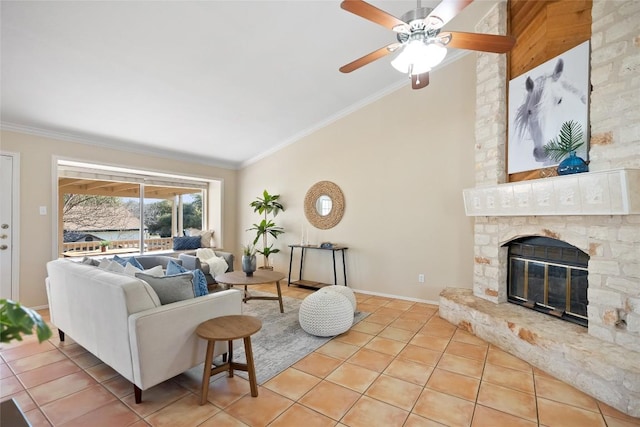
<point>611,192</point>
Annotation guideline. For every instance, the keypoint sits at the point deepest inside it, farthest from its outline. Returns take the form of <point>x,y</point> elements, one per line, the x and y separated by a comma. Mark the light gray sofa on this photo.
<point>150,261</point>
<point>120,320</point>
<point>191,262</point>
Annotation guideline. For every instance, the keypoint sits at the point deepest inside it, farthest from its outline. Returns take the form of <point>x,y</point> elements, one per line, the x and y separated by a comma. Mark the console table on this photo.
<point>310,283</point>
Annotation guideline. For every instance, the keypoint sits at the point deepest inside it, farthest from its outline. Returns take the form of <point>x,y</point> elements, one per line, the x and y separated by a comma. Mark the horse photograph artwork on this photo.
<point>540,101</point>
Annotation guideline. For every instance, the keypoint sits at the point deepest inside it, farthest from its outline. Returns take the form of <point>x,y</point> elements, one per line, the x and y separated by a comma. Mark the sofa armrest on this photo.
<point>228,256</point>
<point>192,262</point>
<point>163,339</point>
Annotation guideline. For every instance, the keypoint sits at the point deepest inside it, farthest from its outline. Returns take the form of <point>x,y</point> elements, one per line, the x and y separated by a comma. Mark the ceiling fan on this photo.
<point>421,44</point>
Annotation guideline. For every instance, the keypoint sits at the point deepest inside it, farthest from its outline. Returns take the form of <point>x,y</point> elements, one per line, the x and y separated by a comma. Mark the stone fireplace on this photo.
<point>597,212</point>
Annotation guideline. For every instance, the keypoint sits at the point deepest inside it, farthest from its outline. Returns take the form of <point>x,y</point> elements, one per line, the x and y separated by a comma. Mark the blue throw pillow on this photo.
<point>133,261</point>
<point>121,261</point>
<point>199,281</point>
<point>182,243</point>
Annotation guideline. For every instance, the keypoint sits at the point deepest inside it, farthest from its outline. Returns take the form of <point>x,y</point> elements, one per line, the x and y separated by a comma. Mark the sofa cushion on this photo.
<point>182,243</point>
<point>199,281</point>
<point>177,287</point>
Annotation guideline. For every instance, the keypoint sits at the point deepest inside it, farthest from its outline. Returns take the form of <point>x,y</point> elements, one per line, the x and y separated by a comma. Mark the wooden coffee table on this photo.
<point>228,328</point>
<point>260,277</point>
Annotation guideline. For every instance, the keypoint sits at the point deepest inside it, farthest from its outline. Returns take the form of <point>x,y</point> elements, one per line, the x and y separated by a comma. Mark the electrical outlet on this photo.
<point>420,278</point>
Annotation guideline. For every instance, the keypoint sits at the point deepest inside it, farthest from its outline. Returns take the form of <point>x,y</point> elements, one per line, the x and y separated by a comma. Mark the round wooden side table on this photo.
<point>228,328</point>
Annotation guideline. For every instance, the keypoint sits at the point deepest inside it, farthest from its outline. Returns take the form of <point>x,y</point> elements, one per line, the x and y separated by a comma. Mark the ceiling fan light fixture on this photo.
<point>418,57</point>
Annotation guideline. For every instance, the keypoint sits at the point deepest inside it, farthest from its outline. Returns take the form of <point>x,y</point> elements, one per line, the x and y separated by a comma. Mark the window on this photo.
<point>119,211</point>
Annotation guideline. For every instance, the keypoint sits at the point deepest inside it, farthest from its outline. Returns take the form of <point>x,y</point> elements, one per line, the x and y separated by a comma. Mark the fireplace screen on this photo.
<point>550,276</point>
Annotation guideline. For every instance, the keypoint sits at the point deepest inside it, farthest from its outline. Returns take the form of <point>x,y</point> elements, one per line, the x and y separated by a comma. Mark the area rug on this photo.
<point>281,342</point>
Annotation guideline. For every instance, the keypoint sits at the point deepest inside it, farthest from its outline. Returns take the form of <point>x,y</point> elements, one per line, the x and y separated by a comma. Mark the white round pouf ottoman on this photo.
<point>347,292</point>
<point>326,314</point>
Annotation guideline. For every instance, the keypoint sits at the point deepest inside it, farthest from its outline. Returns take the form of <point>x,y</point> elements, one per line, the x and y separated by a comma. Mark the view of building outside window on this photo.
<point>101,223</point>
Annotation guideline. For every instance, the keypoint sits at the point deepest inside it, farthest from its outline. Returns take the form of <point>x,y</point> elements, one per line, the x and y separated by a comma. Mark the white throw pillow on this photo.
<point>104,263</point>
<point>206,238</point>
<point>155,271</point>
<point>115,267</point>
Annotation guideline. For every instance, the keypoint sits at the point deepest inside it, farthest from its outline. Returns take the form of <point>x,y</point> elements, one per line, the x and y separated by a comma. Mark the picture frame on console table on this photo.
<point>540,101</point>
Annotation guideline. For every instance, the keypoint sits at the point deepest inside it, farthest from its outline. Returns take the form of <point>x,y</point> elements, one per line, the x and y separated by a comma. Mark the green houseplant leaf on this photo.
<point>16,320</point>
<point>569,139</point>
<point>268,204</point>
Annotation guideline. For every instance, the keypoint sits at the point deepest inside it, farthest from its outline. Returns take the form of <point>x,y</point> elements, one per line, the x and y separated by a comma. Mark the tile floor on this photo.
<point>401,366</point>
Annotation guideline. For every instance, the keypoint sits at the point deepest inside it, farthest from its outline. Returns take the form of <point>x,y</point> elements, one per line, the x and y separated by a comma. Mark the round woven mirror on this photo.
<point>324,205</point>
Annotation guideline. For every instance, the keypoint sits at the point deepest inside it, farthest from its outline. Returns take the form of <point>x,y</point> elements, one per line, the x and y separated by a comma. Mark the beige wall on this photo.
<point>36,231</point>
<point>401,163</point>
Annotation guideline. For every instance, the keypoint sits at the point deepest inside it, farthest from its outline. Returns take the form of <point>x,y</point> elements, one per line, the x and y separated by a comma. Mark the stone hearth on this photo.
<point>603,360</point>
<point>606,371</point>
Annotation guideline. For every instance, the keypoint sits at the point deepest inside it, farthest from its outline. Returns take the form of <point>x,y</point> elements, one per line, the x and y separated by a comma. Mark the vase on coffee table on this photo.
<point>248,264</point>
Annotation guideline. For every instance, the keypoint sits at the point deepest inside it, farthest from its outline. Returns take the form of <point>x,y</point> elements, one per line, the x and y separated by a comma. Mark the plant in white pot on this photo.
<point>266,205</point>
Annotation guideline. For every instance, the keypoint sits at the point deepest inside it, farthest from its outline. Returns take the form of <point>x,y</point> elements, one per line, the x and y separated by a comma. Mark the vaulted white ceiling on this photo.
<point>221,82</point>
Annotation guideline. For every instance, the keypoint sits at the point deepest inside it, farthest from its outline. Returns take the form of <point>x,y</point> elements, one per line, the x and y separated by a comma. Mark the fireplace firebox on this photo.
<point>550,276</point>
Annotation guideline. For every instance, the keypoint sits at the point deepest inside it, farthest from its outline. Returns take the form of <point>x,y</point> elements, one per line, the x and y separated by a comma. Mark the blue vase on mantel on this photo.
<point>572,164</point>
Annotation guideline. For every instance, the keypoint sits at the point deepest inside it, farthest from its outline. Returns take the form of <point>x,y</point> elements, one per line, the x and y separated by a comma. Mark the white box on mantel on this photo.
<point>611,192</point>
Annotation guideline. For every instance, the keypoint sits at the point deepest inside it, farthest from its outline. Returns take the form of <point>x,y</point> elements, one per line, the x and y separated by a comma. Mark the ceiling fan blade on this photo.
<point>482,42</point>
<point>376,54</point>
<point>418,81</point>
<point>373,14</point>
<point>447,9</point>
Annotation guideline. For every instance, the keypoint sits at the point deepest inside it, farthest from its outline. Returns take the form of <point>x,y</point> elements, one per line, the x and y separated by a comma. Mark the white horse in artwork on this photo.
<point>550,101</point>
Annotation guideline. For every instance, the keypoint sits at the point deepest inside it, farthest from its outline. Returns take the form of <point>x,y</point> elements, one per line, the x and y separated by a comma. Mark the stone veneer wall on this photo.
<point>613,242</point>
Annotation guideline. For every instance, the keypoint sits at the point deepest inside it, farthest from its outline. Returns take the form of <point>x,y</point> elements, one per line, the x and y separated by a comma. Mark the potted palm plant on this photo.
<point>266,205</point>
<point>566,144</point>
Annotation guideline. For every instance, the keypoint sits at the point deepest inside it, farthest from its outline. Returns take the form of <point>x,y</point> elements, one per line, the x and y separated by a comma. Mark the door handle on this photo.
<point>3,236</point>
<point>4,226</point>
<point>3,247</point>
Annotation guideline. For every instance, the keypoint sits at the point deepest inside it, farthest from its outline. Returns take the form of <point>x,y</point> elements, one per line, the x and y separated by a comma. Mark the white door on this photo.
<point>6,227</point>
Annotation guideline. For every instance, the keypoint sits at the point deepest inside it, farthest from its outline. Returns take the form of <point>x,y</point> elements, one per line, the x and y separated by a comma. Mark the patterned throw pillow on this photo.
<point>183,243</point>
<point>199,281</point>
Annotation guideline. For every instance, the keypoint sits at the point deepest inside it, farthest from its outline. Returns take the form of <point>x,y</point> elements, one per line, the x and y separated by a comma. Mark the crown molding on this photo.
<point>454,56</point>
<point>127,146</point>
